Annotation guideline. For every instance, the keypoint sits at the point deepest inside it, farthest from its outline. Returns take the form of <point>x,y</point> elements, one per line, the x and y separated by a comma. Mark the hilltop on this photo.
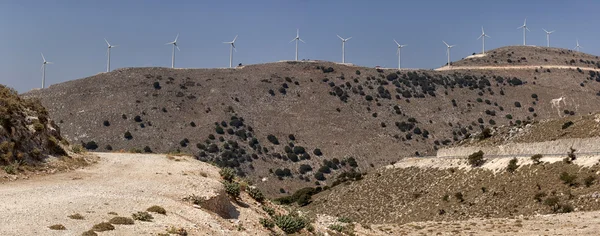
<point>530,56</point>
<point>289,125</point>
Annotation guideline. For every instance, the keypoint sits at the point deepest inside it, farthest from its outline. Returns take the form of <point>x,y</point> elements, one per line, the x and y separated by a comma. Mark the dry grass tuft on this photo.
<point>104,226</point>
<point>120,220</point>
<point>157,209</point>
<point>57,227</point>
<point>77,216</point>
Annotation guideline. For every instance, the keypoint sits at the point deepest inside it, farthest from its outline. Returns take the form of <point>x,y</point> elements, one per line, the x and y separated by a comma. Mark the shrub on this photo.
<point>267,223</point>
<point>567,124</point>
<point>156,85</point>
<point>120,220</point>
<point>304,168</point>
<point>570,156</point>
<point>57,227</point>
<point>536,158</point>
<point>512,165</point>
<point>127,135</point>
<point>589,181</point>
<point>272,139</point>
<point>268,210</point>
<point>76,216</point>
<point>232,188</point>
<point>219,130</point>
<point>89,233</point>
<point>357,72</point>
<point>142,216</point>
<point>344,219</point>
<point>256,194</point>
<point>227,174</point>
<point>157,209</point>
<point>553,202</point>
<point>459,196</point>
<point>336,227</point>
<point>445,198</point>
<point>77,148</point>
<point>568,179</point>
<point>104,226</point>
<point>299,150</point>
<point>289,223</point>
<point>317,152</point>
<point>476,159</point>
<point>137,119</point>
<point>106,123</point>
<point>538,196</point>
<point>319,176</point>
<point>517,104</point>
<point>91,145</point>
<point>147,149</point>
<point>534,96</point>
<point>509,116</point>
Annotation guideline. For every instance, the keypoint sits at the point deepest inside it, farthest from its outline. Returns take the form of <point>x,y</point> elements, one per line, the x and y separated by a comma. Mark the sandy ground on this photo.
<point>513,67</point>
<point>122,183</point>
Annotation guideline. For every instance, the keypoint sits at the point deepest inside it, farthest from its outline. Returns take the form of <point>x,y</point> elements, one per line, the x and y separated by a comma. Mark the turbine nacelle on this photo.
<point>174,43</point>
<point>343,39</point>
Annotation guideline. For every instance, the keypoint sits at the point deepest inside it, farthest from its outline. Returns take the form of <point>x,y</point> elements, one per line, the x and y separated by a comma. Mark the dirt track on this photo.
<point>122,183</point>
<point>445,68</point>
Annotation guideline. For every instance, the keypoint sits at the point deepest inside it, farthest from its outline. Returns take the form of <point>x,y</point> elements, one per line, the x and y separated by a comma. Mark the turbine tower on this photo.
<point>482,37</point>
<point>44,70</point>
<point>398,52</point>
<point>524,26</point>
<point>548,37</point>
<point>231,50</point>
<point>174,46</point>
<point>109,47</point>
<point>343,48</point>
<point>297,38</point>
<point>578,46</point>
<point>448,51</point>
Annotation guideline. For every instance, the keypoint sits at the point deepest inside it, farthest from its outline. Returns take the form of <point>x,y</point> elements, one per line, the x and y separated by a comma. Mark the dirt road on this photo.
<point>122,183</point>
<point>445,68</point>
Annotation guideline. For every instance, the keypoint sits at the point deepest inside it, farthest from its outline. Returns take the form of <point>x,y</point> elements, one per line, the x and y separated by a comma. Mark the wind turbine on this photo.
<point>343,48</point>
<point>109,47</point>
<point>448,51</point>
<point>231,50</point>
<point>577,47</point>
<point>482,37</point>
<point>174,46</point>
<point>44,70</point>
<point>548,37</point>
<point>398,52</point>
<point>297,38</point>
<point>524,26</point>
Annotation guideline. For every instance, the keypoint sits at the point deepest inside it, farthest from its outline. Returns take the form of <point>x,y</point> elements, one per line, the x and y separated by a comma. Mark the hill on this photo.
<point>531,56</point>
<point>27,134</point>
<point>294,124</point>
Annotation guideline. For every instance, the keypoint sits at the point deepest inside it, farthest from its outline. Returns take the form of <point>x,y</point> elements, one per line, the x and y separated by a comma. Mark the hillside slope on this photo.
<point>27,134</point>
<point>357,117</point>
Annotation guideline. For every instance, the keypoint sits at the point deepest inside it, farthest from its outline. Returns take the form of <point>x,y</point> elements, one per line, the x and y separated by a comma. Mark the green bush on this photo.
<point>269,210</point>
<point>476,159</point>
<point>128,135</point>
<point>232,188</point>
<point>267,223</point>
<point>120,220</point>
<point>536,158</point>
<point>567,124</point>
<point>256,194</point>
<point>272,139</point>
<point>289,223</point>
<point>336,227</point>
<point>227,174</point>
<point>317,152</point>
<point>344,219</point>
<point>77,148</point>
<point>512,165</point>
<point>589,181</point>
<point>553,202</point>
<point>568,179</point>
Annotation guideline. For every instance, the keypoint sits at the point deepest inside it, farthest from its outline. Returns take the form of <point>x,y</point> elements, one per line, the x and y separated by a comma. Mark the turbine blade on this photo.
<point>43,57</point>
<point>347,39</point>
<point>114,46</point>
<point>292,40</point>
<point>487,36</point>
<point>235,50</point>
<point>49,62</point>
<point>446,43</point>
<point>177,37</point>
<point>340,38</point>
<point>301,40</point>
<point>177,47</point>
<point>396,42</point>
<point>107,42</point>
<point>545,31</point>
<point>480,36</point>
<point>234,39</point>
<point>527,29</point>
<point>297,33</point>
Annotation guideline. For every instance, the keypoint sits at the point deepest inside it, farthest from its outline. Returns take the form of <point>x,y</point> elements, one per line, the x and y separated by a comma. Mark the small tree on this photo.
<point>512,165</point>
<point>476,159</point>
<point>568,179</point>
<point>536,159</point>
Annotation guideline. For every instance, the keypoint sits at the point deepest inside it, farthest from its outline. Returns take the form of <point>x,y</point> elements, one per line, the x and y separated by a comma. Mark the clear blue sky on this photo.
<point>70,32</point>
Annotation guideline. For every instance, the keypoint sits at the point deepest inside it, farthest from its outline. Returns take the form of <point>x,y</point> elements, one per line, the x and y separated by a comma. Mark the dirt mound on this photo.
<point>296,124</point>
<point>531,56</point>
<point>408,194</point>
<point>27,135</point>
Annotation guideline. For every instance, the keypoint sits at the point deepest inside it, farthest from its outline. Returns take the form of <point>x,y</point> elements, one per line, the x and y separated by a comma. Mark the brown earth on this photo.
<point>329,111</point>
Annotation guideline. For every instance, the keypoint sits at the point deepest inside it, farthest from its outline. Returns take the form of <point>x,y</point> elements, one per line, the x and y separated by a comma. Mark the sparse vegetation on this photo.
<point>512,165</point>
<point>256,194</point>
<point>290,223</point>
<point>57,227</point>
<point>232,188</point>
<point>476,159</point>
<point>267,223</point>
<point>157,209</point>
<point>227,174</point>
<point>76,216</point>
<point>589,181</point>
<point>142,216</point>
<point>536,159</point>
<point>568,179</point>
<point>567,124</point>
<point>101,227</point>
<point>120,220</point>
